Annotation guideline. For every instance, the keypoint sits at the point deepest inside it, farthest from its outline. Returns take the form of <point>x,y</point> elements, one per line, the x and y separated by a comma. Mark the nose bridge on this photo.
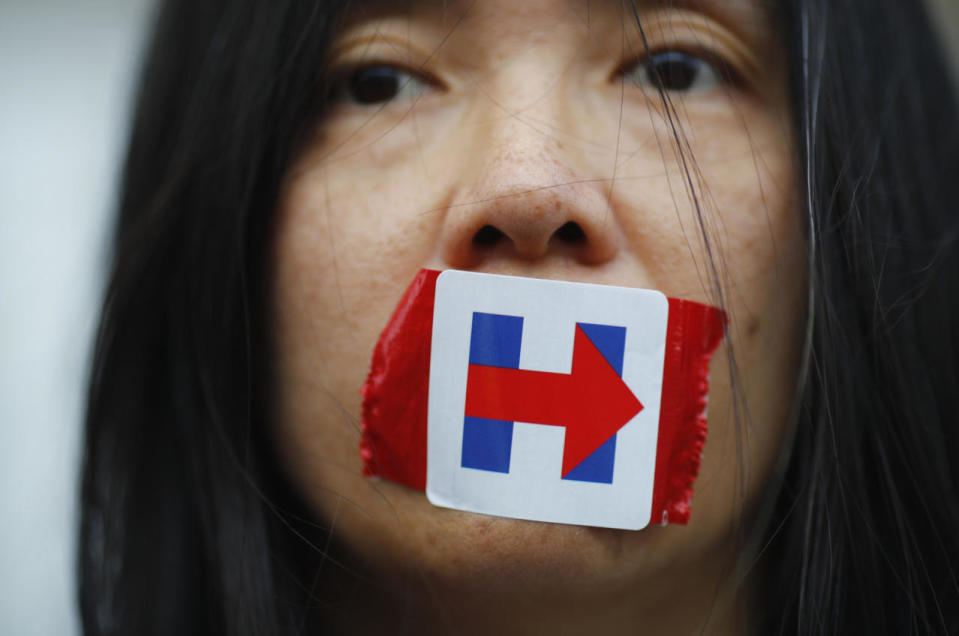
<point>515,109</point>
<point>521,195</point>
<point>522,167</point>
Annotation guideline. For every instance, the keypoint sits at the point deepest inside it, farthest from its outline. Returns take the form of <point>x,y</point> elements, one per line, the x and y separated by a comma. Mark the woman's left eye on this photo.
<point>372,85</point>
<point>675,71</point>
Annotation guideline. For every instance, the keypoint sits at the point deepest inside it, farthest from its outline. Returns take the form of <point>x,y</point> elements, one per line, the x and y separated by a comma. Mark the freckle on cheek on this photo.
<point>483,527</point>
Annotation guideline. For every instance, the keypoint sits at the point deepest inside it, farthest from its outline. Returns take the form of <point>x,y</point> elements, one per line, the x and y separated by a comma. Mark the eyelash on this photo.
<point>396,79</point>
<point>416,82</point>
<point>650,77</point>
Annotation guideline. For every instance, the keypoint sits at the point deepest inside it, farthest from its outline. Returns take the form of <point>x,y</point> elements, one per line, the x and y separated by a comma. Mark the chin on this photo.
<point>468,550</point>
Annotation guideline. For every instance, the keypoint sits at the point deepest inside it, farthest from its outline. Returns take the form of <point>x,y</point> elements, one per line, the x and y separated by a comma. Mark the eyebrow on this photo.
<point>750,19</point>
<point>740,7</point>
<point>728,9</point>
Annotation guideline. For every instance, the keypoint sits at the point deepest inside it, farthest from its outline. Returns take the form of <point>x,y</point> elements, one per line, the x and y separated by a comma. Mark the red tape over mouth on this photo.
<point>395,397</point>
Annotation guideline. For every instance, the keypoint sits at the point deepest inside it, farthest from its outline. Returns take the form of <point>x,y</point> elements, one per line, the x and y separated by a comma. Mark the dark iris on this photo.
<point>374,84</point>
<point>674,70</point>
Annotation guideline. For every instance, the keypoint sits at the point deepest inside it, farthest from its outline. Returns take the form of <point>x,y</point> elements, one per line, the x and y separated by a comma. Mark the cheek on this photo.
<point>722,211</point>
<point>760,242</point>
<point>345,247</point>
<point>346,244</point>
<point>749,240</point>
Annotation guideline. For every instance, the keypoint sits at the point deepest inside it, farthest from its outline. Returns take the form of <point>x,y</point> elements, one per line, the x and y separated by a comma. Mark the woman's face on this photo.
<point>528,138</point>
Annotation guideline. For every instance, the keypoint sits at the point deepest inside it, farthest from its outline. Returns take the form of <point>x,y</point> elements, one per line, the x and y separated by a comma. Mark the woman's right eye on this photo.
<point>380,84</point>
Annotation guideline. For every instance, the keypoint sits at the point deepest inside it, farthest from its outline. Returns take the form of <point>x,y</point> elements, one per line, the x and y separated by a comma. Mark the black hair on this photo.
<point>188,528</point>
<point>869,511</point>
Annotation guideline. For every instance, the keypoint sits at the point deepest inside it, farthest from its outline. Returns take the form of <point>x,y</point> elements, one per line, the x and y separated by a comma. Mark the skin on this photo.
<point>527,116</point>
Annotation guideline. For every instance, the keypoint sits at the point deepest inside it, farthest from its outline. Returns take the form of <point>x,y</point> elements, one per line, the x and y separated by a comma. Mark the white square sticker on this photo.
<point>544,399</point>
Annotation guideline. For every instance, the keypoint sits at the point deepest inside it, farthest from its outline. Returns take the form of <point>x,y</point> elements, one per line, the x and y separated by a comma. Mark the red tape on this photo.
<point>395,397</point>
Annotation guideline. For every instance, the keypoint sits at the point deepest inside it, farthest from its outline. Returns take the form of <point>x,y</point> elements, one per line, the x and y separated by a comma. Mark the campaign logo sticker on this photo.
<point>544,399</point>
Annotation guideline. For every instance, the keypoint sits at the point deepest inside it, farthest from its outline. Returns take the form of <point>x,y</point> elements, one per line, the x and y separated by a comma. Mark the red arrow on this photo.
<point>592,401</point>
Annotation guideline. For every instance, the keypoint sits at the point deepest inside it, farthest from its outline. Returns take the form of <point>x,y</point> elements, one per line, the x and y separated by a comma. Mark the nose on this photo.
<point>521,198</point>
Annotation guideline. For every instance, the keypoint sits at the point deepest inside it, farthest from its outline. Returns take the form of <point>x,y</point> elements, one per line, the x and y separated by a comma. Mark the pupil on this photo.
<point>675,71</point>
<point>374,85</point>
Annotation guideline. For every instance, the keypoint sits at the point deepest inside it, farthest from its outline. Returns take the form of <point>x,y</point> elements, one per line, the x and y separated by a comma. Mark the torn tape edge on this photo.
<point>683,427</point>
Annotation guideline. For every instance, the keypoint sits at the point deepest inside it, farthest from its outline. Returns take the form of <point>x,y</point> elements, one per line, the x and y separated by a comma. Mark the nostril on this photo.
<point>571,232</point>
<point>487,235</point>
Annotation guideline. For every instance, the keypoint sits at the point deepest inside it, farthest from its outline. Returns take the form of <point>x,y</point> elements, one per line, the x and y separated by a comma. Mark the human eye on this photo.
<point>675,71</point>
<point>379,84</point>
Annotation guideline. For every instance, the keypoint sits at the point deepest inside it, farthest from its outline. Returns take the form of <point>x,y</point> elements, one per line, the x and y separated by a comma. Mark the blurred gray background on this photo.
<point>66,68</point>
